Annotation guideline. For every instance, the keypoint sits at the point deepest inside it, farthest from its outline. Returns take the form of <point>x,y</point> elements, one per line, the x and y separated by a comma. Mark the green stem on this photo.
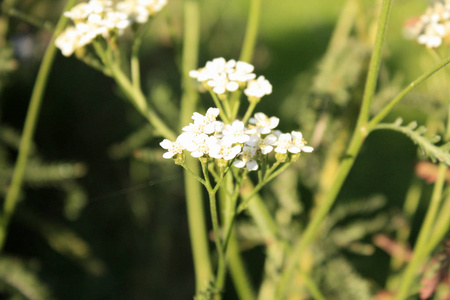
<point>134,94</point>
<point>267,178</point>
<point>135,65</point>
<point>238,272</point>
<point>235,103</point>
<point>387,109</point>
<point>321,213</point>
<point>193,190</point>
<point>12,12</point>
<point>374,66</point>
<point>355,144</point>
<point>249,111</point>
<point>312,287</point>
<point>221,268</point>
<point>231,213</point>
<point>441,227</point>
<point>10,203</point>
<point>218,103</point>
<point>420,250</point>
<point>194,174</point>
<point>251,32</point>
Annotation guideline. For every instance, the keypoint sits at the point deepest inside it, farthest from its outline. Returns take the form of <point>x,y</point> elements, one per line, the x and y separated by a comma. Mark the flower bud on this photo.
<point>281,157</point>
<point>294,156</point>
<point>179,159</point>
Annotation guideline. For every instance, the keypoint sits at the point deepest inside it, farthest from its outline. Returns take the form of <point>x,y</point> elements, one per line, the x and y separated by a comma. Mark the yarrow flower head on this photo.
<point>103,18</point>
<point>222,76</point>
<point>258,88</point>
<point>432,28</point>
<point>246,147</point>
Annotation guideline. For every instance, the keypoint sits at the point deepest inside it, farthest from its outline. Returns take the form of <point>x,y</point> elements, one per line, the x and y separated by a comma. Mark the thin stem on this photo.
<point>322,211</point>
<point>194,199</point>
<point>267,178</point>
<point>10,203</point>
<point>249,111</point>
<point>387,109</point>
<point>221,268</point>
<point>135,65</point>
<point>374,66</point>
<point>229,222</point>
<point>223,114</point>
<point>222,177</point>
<point>355,144</point>
<point>251,32</point>
<point>231,213</point>
<point>235,103</point>
<point>134,94</point>
<point>420,250</point>
<point>312,287</point>
<point>12,12</point>
<point>194,174</point>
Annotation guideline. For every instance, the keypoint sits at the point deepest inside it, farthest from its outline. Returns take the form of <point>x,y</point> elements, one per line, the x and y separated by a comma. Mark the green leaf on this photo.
<point>417,135</point>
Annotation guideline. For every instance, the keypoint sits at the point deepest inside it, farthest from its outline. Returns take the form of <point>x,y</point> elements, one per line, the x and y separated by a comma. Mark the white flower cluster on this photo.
<point>433,27</point>
<point>101,18</point>
<point>228,76</point>
<point>245,146</point>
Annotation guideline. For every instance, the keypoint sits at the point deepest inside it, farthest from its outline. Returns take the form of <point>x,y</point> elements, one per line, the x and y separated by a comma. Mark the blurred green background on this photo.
<point>115,227</point>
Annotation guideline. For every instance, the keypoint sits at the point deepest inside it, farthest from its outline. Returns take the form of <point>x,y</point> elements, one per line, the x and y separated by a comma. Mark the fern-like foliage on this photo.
<point>426,144</point>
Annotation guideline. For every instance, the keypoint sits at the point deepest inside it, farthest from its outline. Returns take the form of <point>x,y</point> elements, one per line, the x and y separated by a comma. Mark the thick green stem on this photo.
<point>251,32</point>
<point>420,250</point>
<point>193,189</point>
<point>320,214</point>
<point>441,226</point>
<point>29,128</point>
<point>355,144</point>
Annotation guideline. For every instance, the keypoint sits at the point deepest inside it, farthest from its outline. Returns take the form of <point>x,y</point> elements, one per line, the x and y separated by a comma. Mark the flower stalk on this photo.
<point>359,134</point>
<point>31,119</point>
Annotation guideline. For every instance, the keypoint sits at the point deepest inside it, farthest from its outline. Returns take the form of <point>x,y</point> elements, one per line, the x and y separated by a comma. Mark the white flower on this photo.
<point>258,88</point>
<point>298,143</point>
<point>433,27</point>
<point>220,84</point>
<point>263,123</point>
<point>242,72</point>
<point>68,41</point>
<point>101,17</point>
<point>284,143</point>
<point>173,148</point>
<point>224,149</point>
<point>115,19</point>
<point>263,144</point>
<point>236,132</point>
<point>208,118</point>
<point>88,32</point>
<point>203,124</point>
<point>201,145</point>
<point>224,76</point>
<point>247,159</point>
<point>79,12</point>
